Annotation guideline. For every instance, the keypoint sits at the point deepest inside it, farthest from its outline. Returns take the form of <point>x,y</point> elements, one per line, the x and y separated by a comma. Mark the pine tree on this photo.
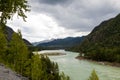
<point>3,46</point>
<point>37,73</point>
<point>64,77</point>
<point>93,76</point>
<point>18,52</point>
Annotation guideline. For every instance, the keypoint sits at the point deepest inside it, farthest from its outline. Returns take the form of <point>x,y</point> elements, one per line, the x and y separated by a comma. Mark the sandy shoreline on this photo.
<point>100,62</point>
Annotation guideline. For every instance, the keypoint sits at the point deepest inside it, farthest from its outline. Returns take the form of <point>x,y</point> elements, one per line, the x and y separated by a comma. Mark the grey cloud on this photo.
<point>52,2</point>
<point>79,15</point>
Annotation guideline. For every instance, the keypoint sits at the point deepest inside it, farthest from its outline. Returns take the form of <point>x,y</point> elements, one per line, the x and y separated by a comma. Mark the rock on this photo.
<point>8,74</point>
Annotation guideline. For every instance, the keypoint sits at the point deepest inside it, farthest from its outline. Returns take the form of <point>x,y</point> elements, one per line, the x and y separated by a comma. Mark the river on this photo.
<point>81,69</point>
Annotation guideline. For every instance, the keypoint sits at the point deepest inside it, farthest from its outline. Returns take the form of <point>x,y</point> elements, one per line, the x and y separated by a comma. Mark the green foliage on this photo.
<point>3,46</point>
<point>64,77</point>
<point>36,68</point>
<point>15,54</point>
<point>104,54</point>
<point>9,7</point>
<point>93,76</point>
<point>19,51</point>
<point>43,69</point>
<point>50,68</point>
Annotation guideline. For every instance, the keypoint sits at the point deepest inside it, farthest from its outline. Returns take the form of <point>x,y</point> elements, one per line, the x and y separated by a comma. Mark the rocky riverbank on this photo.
<point>100,62</point>
<point>8,74</point>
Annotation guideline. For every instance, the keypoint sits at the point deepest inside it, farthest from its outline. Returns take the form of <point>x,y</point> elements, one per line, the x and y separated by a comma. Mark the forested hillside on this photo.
<point>9,31</point>
<point>103,43</point>
<point>62,43</point>
<point>15,54</point>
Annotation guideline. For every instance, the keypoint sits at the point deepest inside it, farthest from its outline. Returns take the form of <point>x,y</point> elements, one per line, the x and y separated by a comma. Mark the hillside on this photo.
<point>62,43</point>
<point>9,31</point>
<point>103,43</point>
<point>40,42</point>
<point>22,62</point>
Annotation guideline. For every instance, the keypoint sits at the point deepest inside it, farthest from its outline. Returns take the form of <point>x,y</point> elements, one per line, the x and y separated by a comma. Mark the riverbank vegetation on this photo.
<point>16,55</point>
<point>93,76</point>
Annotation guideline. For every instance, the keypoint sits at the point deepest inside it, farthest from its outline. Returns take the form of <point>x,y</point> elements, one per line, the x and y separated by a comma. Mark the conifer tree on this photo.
<point>64,77</point>
<point>93,76</point>
<point>19,52</point>
<point>37,72</point>
<point>3,46</point>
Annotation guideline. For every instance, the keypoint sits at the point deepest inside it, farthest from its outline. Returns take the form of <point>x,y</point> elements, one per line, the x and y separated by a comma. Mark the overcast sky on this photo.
<point>51,19</point>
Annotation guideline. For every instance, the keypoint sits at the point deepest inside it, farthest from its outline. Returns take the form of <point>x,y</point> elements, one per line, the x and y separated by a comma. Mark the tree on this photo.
<point>64,77</point>
<point>9,7</point>
<point>93,76</point>
<point>18,52</point>
<point>37,72</point>
<point>50,68</point>
<point>3,46</point>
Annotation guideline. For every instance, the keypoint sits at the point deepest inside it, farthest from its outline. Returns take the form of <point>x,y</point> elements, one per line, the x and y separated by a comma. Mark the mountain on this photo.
<point>27,42</point>
<point>62,43</point>
<point>107,34</point>
<point>9,31</point>
<point>103,43</point>
<point>40,42</point>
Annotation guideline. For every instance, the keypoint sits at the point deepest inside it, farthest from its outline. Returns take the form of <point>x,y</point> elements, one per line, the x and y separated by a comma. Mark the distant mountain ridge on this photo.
<point>62,43</point>
<point>40,42</point>
<point>9,31</point>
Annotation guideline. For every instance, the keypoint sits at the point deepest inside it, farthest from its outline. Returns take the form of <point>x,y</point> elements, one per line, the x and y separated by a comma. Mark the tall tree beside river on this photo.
<point>18,52</point>
<point>93,76</point>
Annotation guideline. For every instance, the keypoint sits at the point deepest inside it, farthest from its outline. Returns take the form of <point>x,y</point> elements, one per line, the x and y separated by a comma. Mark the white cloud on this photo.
<point>40,27</point>
<point>64,18</point>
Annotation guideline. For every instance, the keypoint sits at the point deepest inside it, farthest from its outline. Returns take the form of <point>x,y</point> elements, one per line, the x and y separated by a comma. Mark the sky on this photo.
<point>52,19</point>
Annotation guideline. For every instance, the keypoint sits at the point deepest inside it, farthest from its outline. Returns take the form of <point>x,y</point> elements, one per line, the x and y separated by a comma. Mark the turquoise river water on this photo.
<point>81,69</point>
